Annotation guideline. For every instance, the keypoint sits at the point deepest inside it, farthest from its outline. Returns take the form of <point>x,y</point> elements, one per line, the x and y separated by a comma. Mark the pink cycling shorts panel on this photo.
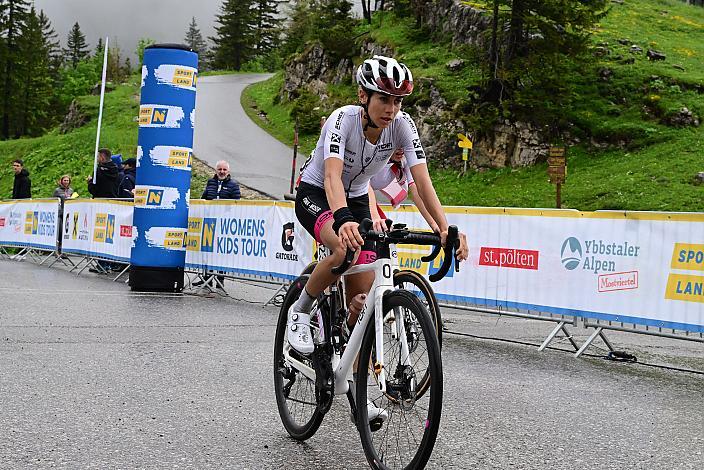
<point>324,217</point>
<point>366,257</point>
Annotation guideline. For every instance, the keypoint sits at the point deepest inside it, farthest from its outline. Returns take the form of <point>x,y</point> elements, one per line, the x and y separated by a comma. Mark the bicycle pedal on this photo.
<point>376,424</point>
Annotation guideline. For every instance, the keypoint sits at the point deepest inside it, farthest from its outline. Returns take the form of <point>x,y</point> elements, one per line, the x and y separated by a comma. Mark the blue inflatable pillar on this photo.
<point>165,146</point>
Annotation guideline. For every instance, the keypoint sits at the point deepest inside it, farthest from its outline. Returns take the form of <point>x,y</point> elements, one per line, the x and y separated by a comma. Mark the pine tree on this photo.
<point>32,113</point>
<point>77,47</point>
<point>194,40</point>
<point>235,40</point>
<point>14,20</point>
<point>50,41</point>
<point>100,48</point>
<point>268,25</point>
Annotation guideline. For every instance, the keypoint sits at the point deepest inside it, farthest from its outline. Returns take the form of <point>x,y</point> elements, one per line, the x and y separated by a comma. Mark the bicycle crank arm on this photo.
<point>298,365</point>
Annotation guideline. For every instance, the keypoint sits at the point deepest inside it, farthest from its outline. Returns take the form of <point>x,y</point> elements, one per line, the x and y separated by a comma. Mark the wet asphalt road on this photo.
<point>224,132</point>
<point>94,376</point>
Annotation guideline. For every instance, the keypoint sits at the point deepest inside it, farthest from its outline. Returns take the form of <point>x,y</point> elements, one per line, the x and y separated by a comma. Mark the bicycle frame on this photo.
<point>383,282</point>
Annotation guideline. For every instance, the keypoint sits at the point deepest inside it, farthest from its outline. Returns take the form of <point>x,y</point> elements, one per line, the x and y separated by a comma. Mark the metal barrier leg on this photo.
<point>551,336</point>
<point>20,255</point>
<point>122,272</point>
<point>77,265</point>
<point>274,300</point>
<point>599,331</point>
<point>53,253</point>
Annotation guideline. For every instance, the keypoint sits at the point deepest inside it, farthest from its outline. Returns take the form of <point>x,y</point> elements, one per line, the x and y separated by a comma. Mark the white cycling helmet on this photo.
<point>385,75</point>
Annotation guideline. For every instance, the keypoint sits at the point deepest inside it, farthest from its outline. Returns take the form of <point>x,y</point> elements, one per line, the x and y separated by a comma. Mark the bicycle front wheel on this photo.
<point>295,393</point>
<point>421,288</point>
<point>410,420</point>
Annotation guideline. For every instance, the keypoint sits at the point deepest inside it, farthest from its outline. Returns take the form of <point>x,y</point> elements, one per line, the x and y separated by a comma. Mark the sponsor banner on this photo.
<point>155,197</point>
<point>98,227</point>
<point>247,237</point>
<point>177,76</point>
<point>644,268</point>
<point>160,115</point>
<point>29,222</point>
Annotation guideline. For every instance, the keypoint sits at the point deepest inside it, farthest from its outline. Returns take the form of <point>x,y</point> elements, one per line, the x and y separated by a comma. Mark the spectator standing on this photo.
<point>22,189</point>
<point>104,185</point>
<point>129,179</point>
<point>64,190</point>
<point>106,178</point>
<point>221,186</point>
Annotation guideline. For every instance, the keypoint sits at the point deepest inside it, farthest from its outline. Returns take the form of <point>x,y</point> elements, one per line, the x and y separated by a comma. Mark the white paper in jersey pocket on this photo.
<point>396,192</point>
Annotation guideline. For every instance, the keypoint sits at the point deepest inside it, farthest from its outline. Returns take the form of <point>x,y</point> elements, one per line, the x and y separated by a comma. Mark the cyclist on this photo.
<point>356,143</point>
<point>395,182</point>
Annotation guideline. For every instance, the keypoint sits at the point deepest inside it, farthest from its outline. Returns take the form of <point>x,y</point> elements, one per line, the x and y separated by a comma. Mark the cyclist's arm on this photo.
<point>426,190</point>
<point>418,201</point>
<point>335,193</point>
<point>377,221</point>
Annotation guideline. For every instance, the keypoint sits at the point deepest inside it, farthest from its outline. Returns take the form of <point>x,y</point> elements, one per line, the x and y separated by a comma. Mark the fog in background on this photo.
<point>126,21</point>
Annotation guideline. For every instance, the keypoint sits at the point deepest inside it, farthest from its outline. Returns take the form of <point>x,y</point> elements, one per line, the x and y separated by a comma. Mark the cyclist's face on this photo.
<point>382,108</point>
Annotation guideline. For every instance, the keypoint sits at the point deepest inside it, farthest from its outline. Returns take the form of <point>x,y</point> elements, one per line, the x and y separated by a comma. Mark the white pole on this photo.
<point>100,113</point>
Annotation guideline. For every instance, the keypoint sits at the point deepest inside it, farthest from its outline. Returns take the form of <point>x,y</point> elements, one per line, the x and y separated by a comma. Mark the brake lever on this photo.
<point>433,254</point>
<point>450,247</point>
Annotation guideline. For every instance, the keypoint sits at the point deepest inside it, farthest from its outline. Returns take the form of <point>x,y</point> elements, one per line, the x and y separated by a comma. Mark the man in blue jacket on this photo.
<point>221,186</point>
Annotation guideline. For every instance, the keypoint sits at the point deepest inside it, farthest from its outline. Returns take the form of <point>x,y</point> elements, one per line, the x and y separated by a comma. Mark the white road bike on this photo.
<point>397,358</point>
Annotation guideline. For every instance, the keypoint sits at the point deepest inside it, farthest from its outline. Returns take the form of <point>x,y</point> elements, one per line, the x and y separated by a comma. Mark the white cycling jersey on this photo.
<point>342,137</point>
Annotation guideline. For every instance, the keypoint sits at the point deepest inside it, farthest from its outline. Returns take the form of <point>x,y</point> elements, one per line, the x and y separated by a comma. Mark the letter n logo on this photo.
<point>110,229</point>
<point>159,116</point>
<point>208,236</point>
<point>154,197</point>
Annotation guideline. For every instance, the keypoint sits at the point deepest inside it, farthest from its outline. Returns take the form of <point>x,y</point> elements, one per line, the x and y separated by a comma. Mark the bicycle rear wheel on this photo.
<point>408,433</point>
<point>295,393</point>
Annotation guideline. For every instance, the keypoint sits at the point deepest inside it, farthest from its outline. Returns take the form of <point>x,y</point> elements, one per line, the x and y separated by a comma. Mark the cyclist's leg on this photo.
<point>314,214</point>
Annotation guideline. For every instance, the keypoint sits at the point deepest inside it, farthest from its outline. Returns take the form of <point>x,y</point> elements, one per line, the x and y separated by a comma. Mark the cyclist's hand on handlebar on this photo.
<point>349,235</point>
<point>378,224</point>
<point>463,250</point>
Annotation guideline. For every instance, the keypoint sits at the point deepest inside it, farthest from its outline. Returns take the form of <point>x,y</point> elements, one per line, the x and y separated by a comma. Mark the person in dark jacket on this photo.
<point>106,180</point>
<point>22,189</point>
<point>221,186</point>
<point>129,179</point>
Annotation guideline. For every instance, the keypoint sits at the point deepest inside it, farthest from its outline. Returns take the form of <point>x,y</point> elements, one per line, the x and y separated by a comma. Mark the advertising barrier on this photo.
<point>261,238</point>
<point>641,268</point>
<point>29,223</point>
<point>634,267</point>
<point>100,228</point>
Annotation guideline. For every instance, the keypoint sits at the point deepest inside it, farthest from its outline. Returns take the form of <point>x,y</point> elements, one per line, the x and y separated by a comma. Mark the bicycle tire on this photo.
<point>303,404</point>
<point>416,417</point>
<point>428,296</point>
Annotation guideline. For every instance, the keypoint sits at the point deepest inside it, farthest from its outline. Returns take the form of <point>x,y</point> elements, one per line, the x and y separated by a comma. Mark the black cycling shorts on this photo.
<point>313,210</point>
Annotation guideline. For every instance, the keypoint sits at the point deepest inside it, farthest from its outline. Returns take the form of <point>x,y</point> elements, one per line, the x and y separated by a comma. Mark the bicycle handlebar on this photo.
<point>401,235</point>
